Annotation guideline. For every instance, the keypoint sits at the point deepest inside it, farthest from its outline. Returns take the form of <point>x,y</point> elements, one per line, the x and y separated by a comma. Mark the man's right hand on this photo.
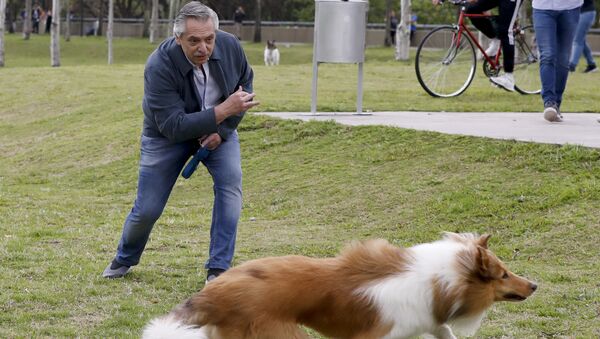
<point>238,102</point>
<point>436,2</point>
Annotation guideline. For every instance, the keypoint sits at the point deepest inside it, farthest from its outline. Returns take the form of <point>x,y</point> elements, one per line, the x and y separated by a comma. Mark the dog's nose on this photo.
<point>534,287</point>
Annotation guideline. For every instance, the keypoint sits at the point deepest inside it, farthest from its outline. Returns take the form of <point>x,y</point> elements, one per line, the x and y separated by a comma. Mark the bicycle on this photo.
<point>446,58</point>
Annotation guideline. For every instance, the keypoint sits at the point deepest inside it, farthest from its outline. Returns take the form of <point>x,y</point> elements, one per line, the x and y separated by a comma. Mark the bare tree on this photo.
<point>173,8</point>
<point>147,11</point>
<point>257,22</point>
<point>27,20</point>
<point>2,16</point>
<point>388,10</point>
<point>403,31</point>
<point>55,35</point>
<point>154,22</point>
<point>68,22</point>
<point>109,31</point>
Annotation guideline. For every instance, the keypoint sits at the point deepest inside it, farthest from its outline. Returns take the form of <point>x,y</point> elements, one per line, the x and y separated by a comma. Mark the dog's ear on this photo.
<point>483,240</point>
<point>483,262</point>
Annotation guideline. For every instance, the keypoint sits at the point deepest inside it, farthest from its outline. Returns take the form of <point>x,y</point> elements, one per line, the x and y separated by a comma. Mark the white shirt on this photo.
<point>208,89</point>
<point>206,86</point>
<point>556,5</point>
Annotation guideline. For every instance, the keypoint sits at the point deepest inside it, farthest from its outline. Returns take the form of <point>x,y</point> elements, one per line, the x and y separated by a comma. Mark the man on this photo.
<point>508,11</point>
<point>197,86</point>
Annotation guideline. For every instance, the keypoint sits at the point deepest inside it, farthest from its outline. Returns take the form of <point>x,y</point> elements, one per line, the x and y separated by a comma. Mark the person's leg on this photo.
<point>566,26</point>
<point>224,165</point>
<point>545,25</point>
<point>506,22</point>
<point>587,52</point>
<point>585,22</point>
<point>483,24</point>
<point>160,164</point>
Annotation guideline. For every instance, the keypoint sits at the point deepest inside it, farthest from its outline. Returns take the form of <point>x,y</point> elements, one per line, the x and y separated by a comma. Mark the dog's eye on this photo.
<point>505,275</point>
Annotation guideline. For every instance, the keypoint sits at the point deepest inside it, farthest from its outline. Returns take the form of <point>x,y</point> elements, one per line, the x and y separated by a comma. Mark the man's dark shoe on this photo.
<point>115,270</point>
<point>590,69</point>
<point>213,273</point>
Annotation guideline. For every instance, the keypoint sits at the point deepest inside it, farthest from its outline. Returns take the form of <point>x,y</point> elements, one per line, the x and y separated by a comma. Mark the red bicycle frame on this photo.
<point>495,62</point>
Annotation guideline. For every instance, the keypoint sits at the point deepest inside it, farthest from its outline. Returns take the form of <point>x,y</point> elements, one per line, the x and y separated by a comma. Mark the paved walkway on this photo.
<point>577,128</point>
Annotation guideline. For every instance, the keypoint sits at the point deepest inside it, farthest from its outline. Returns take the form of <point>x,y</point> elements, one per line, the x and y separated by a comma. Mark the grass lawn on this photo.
<point>69,150</point>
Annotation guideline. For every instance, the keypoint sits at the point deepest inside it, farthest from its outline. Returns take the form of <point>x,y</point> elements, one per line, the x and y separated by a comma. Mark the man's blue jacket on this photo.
<point>171,104</point>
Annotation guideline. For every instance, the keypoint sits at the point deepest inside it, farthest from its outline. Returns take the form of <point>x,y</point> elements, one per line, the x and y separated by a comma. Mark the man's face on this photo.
<point>198,41</point>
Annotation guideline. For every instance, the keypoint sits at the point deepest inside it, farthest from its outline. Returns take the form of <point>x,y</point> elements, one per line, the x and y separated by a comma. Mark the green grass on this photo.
<point>69,144</point>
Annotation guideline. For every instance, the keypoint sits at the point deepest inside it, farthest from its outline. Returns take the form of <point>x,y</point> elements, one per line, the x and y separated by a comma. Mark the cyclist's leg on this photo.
<point>483,24</point>
<point>509,10</point>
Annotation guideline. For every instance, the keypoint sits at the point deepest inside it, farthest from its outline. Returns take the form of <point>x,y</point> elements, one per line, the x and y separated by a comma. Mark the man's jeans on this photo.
<point>554,32</point>
<point>586,20</point>
<point>161,163</point>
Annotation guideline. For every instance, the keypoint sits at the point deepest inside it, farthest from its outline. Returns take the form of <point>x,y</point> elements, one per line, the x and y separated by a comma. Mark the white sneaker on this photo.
<point>552,113</point>
<point>493,47</point>
<point>506,81</point>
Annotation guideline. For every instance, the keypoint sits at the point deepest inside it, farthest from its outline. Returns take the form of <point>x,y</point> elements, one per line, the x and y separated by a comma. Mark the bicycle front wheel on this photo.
<point>527,62</point>
<point>445,62</point>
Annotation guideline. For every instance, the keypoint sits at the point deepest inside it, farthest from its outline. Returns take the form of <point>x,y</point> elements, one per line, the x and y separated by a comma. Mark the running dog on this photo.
<point>371,290</point>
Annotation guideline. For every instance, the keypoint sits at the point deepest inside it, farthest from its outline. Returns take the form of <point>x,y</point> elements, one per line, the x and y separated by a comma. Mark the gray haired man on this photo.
<point>197,86</point>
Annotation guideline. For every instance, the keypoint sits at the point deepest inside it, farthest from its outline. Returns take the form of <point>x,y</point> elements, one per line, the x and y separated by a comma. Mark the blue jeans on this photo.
<point>554,33</point>
<point>161,163</point>
<point>586,20</point>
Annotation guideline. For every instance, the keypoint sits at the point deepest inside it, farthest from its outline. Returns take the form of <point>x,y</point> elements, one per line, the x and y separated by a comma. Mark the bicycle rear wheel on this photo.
<point>527,67</point>
<point>445,62</point>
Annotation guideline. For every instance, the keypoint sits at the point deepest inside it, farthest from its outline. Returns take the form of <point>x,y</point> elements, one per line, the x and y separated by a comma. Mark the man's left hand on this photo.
<point>211,141</point>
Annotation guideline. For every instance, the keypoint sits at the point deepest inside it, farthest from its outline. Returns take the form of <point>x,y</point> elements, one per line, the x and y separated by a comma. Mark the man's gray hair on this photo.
<point>195,10</point>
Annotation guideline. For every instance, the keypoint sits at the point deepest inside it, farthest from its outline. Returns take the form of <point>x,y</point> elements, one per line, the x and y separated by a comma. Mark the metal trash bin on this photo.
<point>339,37</point>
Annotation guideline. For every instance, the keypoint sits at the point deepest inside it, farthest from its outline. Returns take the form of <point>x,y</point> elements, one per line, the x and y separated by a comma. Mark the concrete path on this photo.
<point>576,129</point>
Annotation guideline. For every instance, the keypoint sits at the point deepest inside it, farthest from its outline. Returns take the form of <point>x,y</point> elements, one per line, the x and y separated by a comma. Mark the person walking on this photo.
<point>555,23</point>
<point>36,16</point>
<point>197,86</point>
<point>587,17</point>
<point>238,19</point>
<point>393,21</point>
<point>48,21</point>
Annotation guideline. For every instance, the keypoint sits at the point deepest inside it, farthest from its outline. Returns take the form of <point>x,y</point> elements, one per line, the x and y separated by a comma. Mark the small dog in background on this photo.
<point>271,54</point>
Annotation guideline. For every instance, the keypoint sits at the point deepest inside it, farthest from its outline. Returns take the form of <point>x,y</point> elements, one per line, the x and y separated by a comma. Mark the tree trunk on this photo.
<point>257,23</point>
<point>386,22</point>
<point>100,18</point>
<point>403,32</point>
<point>154,22</point>
<point>68,22</point>
<point>27,21</point>
<point>2,16</point>
<point>81,32</point>
<point>173,9</point>
<point>55,35</point>
<point>147,11</point>
<point>109,31</point>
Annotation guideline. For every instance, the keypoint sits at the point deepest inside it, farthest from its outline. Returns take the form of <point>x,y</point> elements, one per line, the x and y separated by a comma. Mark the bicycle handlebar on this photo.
<point>456,2</point>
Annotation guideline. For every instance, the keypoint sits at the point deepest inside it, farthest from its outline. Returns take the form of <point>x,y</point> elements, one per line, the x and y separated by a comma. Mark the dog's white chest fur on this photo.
<point>406,300</point>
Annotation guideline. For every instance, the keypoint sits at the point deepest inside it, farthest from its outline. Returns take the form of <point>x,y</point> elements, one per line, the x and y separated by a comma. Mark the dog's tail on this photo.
<point>171,327</point>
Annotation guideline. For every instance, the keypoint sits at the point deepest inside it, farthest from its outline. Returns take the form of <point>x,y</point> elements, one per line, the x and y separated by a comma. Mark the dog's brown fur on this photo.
<point>268,298</point>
